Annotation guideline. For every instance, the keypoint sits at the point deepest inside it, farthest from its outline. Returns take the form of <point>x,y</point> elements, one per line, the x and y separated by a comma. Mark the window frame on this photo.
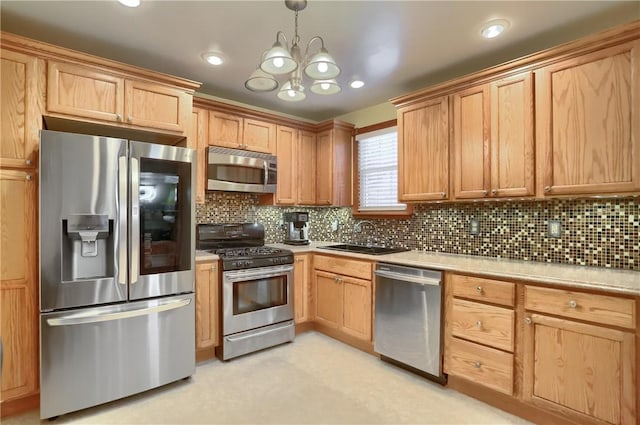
<point>355,209</point>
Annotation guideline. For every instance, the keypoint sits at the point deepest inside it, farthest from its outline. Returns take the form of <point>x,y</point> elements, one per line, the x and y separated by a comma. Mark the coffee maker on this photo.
<point>297,228</point>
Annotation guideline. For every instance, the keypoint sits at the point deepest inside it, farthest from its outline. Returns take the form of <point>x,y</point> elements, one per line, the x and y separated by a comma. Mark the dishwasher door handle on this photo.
<point>424,281</point>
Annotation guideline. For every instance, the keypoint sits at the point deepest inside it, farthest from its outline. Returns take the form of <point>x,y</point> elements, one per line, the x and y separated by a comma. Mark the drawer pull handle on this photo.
<point>479,289</point>
<point>477,365</point>
<point>479,324</point>
<point>572,304</point>
<point>527,320</point>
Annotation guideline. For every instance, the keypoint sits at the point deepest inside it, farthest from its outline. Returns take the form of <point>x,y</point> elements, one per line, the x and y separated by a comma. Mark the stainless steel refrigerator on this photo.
<point>117,241</point>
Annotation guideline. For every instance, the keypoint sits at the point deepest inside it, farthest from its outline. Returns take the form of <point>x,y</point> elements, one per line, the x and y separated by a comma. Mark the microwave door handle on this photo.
<point>265,165</point>
<point>134,235</point>
<point>122,220</point>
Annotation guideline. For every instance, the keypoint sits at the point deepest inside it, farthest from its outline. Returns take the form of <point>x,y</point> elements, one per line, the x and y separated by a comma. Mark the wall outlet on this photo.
<point>554,229</point>
<point>334,225</point>
<point>474,227</point>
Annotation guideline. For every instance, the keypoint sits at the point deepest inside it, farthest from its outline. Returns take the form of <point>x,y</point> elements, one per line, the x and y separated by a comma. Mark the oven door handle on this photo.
<point>239,275</point>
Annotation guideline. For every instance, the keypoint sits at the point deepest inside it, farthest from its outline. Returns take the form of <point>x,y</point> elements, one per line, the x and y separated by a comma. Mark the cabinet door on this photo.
<point>21,106</point>
<point>328,297</point>
<point>580,369</point>
<point>198,141</point>
<point>301,289</point>
<point>356,317</point>
<point>225,130</point>
<point>287,153</point>
<point>588,123</point>
<point>18,284</point>
<point>324,168</point>
<point>423,151</point>
<point>471,165</point>
<point>84,92</point>
<point>512,146</point>
<point>259,136</point>
<point>306,171</point>
<point>206,305</point>
<point>156,106</point>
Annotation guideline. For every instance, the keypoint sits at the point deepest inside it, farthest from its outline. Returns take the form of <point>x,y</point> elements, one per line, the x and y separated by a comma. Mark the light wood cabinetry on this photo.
<point>302,287</point>
<point>18,285</point>
<point>198,135</point>
<point>306,172</point>
<point>234,131</point>
<point>333,165</point>
<point>207,309</point>
<point>588,123</point>
<point>423,151</point>
<point>480,337</point>
<point>287,153</point>
<point>586,371</point>
<point>21,105</point>
<point>343,295</point>
<point>85,92</point>
<point>493,145</point>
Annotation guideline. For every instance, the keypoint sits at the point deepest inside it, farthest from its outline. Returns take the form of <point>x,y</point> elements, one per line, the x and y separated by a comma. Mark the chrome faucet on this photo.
<point>357,228</point>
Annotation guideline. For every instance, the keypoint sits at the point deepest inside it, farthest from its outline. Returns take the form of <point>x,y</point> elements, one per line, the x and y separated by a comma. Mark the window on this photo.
<point>377,172</point>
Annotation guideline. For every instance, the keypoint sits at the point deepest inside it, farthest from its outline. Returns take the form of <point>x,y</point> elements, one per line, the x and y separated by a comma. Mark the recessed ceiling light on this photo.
<point>356,84</point>
<point>213,58</point>
<point>494,28</point>
<point>130,3</point>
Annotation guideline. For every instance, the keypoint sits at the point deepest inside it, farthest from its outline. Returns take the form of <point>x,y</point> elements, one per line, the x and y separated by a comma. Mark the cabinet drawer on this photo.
<point>601,309</point>
<point>343,266</point>
<point>478,288</point>
<point>482,365</point>
<point>483,323</point>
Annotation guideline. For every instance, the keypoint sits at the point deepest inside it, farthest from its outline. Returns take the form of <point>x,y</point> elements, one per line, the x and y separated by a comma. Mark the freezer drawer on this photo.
<point>94,355</point>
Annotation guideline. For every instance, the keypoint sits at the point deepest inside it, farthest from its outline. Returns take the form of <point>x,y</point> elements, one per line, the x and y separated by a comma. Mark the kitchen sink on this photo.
<point>363,249</point>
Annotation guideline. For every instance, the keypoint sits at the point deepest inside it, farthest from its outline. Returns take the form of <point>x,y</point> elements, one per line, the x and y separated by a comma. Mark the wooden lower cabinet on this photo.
<point>328,297</point>
<point>301,279</point>
<point>18,287</point>
<point>207,309</point>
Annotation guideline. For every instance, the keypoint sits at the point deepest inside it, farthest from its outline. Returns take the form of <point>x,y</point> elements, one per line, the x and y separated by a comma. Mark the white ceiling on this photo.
<point>394,46</point>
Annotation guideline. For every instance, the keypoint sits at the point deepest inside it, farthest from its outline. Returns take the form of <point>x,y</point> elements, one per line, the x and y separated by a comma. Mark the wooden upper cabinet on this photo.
<point>493,145</point>
<point>306,169</point>
<point>287,154</point>
<point>588,123</point>
<point>225,130</point>
<point>23,82</point>
<point>423,151</point>
<point>324,168</point>
<point>198,141</point>
<point>91,93</point>
<point>333,166</point>
<point>259,136</point>
<point>18,284</point>
<point>156,106</point>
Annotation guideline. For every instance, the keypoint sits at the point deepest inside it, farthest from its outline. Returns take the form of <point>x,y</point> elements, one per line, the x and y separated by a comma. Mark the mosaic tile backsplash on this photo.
<point>604,233</point>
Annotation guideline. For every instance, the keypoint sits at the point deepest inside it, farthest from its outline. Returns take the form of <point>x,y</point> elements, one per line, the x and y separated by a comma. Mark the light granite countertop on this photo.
<point>570,276</point>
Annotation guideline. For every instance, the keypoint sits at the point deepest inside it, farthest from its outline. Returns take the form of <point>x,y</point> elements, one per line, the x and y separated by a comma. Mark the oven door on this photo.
<point>257,297</point>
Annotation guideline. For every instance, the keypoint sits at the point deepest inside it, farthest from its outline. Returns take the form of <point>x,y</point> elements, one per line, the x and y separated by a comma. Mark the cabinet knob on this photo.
<point>28,162</point>
<point>485,192</point>
<point>479,289</point>
<point>494,191</point>
<point>213,268</point>
<point>443,194</point>
<point>547,188</point>
<point>572,304</point>
<point>479,324</point>
<point>477,365</point>
<point>527,320</point>
<point>129,118</point>
<point>118,117</point>
<point>28,177</point>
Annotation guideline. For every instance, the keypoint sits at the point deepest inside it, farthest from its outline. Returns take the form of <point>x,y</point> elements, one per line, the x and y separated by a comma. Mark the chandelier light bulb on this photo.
<point>325,86</point>
<point>278,62</point>
<point>291,93</point>
<point>323,67</point>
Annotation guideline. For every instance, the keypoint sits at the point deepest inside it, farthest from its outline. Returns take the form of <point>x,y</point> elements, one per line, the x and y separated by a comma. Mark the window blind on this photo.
<point>378,171</point>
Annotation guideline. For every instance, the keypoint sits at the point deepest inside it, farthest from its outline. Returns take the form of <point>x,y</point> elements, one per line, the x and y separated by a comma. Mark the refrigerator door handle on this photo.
<point>134,234</point>
<point>91,317</point>
<point>122,220</point>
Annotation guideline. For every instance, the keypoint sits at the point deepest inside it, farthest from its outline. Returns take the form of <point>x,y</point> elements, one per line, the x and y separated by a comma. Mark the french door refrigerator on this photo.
<point>117,246</point>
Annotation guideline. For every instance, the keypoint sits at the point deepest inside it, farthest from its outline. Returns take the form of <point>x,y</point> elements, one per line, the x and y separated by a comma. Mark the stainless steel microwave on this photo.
<point>241,171</point>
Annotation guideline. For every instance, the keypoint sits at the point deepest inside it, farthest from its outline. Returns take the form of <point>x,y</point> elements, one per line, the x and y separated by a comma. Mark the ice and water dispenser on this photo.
<point>87,246</point>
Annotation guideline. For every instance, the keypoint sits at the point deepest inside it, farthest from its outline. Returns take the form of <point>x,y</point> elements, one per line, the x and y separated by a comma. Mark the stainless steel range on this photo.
<point>257,288</point>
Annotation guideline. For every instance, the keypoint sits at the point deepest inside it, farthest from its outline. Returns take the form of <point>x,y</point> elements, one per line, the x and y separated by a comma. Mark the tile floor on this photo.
<point>314,380</point>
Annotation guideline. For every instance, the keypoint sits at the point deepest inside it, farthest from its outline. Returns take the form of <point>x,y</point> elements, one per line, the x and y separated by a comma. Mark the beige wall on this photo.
<point>371,115</point>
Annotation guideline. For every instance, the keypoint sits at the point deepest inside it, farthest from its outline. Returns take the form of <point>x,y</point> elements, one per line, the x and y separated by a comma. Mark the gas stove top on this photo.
<point>240,246</point>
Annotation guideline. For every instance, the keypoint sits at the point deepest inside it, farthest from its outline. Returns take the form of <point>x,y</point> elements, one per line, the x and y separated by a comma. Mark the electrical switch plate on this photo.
<point>474,228</point>
<point>334,225</point>
<point>554,229</point>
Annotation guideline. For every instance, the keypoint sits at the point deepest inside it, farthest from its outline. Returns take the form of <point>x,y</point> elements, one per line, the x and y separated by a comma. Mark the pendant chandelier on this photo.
<point>281,60</point>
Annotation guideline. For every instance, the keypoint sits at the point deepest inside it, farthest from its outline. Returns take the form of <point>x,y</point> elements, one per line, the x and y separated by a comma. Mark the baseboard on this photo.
<point>366,346</point>
<point>19,405</point>
<point>305,327</point>
<point>204,354</point>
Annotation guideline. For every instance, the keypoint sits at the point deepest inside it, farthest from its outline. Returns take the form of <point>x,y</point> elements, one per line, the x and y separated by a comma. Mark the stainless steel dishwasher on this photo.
<point>407,318</point>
